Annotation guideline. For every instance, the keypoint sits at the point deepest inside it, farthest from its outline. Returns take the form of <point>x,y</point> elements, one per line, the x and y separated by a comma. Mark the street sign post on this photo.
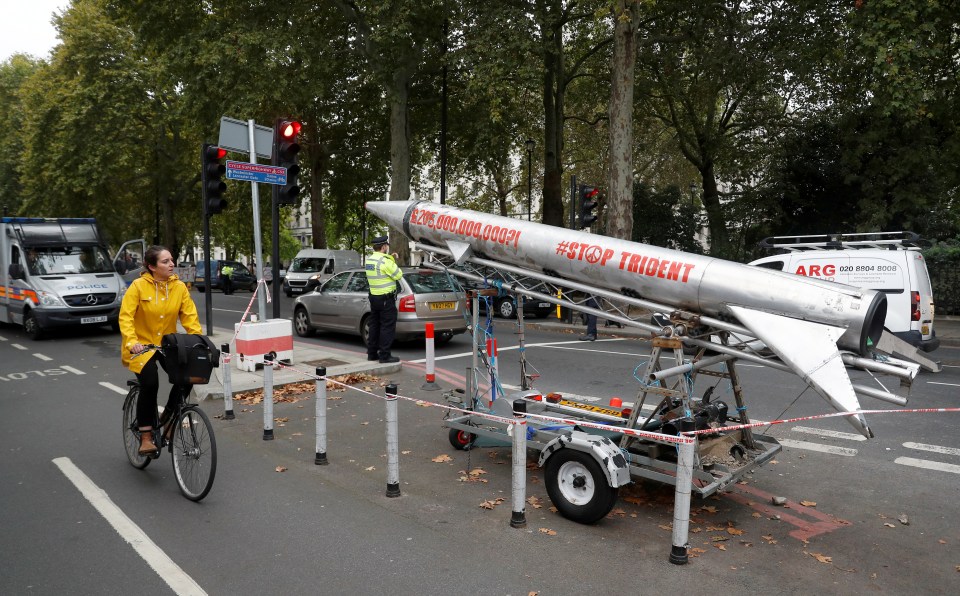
<point>251,172</point>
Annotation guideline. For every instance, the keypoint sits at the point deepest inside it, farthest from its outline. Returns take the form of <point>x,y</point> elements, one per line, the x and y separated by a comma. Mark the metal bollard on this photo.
<point>227,385</point>
<point>393,449</point>
<point>431,384</point>
<point>518,518</point>
<point>681,504</point>
<point>267,397</point>
<point>321,415</point>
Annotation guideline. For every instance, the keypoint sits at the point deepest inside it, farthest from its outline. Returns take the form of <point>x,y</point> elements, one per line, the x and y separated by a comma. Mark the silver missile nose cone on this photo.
<point>391,212</point>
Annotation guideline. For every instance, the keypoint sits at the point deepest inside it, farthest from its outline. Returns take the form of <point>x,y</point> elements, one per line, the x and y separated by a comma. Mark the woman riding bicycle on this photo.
<point>151,307</point>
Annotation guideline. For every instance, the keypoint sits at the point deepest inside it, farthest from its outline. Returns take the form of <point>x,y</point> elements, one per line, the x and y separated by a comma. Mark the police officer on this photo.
<point>226,279</point>
<point>383,276</point>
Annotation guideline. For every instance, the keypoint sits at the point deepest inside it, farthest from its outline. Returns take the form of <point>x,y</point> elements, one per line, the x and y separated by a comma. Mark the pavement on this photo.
<point>307,356</point>
<point>467,493</point>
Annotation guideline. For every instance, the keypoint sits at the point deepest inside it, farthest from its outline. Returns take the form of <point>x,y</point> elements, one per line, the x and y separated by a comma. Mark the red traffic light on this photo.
<point>221,153</point>
<point>591,193</point>
<point>290,129</point>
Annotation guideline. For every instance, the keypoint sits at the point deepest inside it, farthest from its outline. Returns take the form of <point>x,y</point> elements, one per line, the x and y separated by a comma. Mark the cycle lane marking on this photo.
<point>114,388</point>
<point>43,357</point>
<point>169,572</point>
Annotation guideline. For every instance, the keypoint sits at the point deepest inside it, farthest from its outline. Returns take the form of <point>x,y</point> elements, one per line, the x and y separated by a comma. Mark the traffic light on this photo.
<point>589,200</point>
<point>285,150</point>
<point>211,179</point>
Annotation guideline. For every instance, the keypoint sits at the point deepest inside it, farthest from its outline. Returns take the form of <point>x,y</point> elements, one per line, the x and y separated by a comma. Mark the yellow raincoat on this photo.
<point>150,310</point>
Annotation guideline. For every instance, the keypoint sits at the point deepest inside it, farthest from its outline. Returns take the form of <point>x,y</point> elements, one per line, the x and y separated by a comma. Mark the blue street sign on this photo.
<point>252,172</point>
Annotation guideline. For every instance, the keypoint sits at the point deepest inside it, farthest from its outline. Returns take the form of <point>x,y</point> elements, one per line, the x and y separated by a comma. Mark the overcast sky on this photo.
<point>25,27</point>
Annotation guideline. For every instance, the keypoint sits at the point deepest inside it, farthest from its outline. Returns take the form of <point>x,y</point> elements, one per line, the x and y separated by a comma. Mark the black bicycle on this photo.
<point>186,433</point>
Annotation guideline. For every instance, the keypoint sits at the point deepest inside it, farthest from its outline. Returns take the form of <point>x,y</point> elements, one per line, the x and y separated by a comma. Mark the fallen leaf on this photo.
<point>720,546</point>
<point>477,471</point>
<point>617,511</point>
<point>407,452</point>
<point>666,526</point>
<point>709,509</point>
<point>889,525</point>
<point>440,459</point>
<point>281,420</point>
<point>548,531</point>
<point>822,558</point>
<point>942,541</point>
<point>719,538</point>
<point>280,469</point>
<point>756,515</point>
<point>734,532</point>
<point>535,502</point>
<point>490,504</point>
<point>808,503</point>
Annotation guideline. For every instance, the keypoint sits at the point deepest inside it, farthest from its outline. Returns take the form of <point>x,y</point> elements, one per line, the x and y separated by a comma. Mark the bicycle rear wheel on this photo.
<point>194,451</point>
<point>131,435</point>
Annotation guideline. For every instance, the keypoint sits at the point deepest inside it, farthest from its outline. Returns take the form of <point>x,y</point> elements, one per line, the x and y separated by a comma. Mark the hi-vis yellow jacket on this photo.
<point>382,273</point>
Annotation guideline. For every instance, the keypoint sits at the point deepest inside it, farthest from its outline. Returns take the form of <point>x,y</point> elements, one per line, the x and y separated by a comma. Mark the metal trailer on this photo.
<point>584,465</point>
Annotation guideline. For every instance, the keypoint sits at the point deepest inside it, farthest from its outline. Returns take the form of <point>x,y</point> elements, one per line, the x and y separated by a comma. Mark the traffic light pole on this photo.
<point>207,303</point>
<point>275,254</point>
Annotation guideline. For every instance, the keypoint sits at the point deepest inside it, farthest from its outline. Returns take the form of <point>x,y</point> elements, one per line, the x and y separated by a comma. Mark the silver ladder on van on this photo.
<point>902,240</point>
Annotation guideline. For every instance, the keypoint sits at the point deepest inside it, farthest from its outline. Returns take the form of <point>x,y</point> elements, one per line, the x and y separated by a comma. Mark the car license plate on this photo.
<point>443,305</point>
<point>101,319</point>
<point>296,290</point>
<point>543,304</point>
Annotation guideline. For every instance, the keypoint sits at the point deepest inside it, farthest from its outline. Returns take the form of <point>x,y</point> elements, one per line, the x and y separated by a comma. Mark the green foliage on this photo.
<point>667,218</point>
<point>943,263</point>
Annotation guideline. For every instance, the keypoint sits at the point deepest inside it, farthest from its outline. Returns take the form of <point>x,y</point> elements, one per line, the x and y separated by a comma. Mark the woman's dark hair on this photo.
<point>152,256</point>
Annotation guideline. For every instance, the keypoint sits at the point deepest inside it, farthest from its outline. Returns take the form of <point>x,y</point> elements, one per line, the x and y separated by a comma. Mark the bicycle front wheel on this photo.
<point>194,451</point>
<point>131,434</point>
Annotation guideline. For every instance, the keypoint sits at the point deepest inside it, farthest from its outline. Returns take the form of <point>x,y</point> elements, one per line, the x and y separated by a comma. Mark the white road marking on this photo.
<point>113,387</point>
<point>19,346</point>
<point>818,447</point>
<point>170,572</point>
<point>42,357</point>
<point>829,433</point>
<point>73,370</point>
<point>927,465</point>
<point>933,448</point>
<point>2,338</point>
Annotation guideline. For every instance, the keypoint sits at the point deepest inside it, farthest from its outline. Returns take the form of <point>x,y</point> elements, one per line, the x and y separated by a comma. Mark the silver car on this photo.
<point>425,296</point>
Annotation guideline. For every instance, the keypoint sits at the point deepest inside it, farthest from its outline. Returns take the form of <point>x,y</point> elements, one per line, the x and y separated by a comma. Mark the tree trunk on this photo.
<point>400,153</point>
<point>719,238</point>
<point>553,81</point>
<point>619,208</point>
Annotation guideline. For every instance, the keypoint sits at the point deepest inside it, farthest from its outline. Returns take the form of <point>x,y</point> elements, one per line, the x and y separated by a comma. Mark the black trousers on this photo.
<point>383,325</point>
<point>149,379</point>
<point>226,284</point>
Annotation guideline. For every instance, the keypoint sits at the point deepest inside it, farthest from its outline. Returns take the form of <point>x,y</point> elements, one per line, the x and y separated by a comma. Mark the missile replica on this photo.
<point>805,321</point>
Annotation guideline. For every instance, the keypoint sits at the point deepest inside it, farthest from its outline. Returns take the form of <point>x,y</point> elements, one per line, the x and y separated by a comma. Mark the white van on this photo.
<point>313,266</point>
<point>889,262</point>
<point>58,273</point>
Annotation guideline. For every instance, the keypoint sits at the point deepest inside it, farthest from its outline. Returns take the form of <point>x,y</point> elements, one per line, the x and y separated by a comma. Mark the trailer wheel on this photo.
<point>461,439</point>
<point>578,487</point>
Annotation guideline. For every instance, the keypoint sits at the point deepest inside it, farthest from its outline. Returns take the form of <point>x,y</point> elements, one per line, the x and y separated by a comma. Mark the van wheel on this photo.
<point>32,326</point>
<point>301,322</point>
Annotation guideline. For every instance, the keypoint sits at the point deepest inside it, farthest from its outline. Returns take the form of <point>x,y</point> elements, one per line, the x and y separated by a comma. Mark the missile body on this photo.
<point>803,320</point>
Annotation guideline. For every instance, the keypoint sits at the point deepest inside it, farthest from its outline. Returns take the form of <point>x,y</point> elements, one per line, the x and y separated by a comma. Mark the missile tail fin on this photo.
<point>810,349</point>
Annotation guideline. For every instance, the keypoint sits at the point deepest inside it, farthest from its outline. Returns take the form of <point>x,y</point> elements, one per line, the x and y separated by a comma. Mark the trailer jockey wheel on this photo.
<point>578,487</point>
<point>461,439</point>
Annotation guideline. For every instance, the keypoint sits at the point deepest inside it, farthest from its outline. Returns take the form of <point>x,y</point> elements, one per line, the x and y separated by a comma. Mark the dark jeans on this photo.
<point>149,388</point>
<point>592,319</point>
<point>383,325</point>
<point>226,284</point>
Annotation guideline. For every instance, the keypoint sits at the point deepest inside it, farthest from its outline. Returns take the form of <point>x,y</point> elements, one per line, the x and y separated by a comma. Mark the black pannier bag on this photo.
<point>189,359</point>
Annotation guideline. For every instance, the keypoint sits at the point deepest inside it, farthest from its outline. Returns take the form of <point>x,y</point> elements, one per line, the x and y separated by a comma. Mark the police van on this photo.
<point>889,262</point>
<point>59,273</point>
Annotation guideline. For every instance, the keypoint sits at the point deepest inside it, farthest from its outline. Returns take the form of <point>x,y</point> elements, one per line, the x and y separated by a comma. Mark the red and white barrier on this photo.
<point>431,377</point>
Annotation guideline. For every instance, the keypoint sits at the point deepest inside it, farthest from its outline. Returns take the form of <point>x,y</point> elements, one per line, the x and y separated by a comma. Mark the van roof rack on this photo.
<point>885,240</point>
